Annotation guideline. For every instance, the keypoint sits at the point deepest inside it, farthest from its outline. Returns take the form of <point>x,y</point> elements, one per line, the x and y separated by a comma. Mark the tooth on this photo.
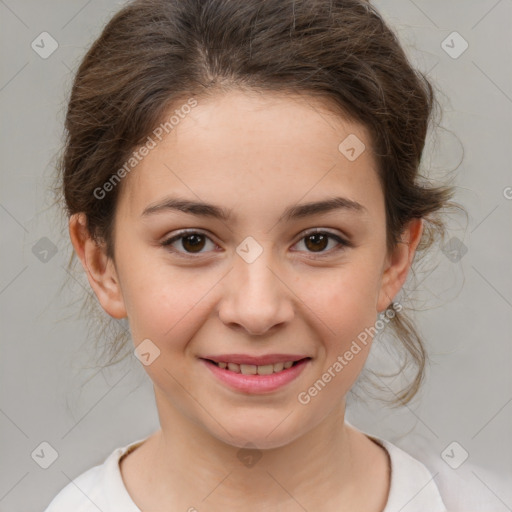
<point>251,369</point>
<point>278,367</point>
<point>266,369</point>
<point>248,369</point>
<point>234,367</point>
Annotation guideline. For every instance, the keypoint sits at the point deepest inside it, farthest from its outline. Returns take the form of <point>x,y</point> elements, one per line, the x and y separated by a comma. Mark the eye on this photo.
<point>192,242</point>
<point>317,241</point>
<point>189,243</point>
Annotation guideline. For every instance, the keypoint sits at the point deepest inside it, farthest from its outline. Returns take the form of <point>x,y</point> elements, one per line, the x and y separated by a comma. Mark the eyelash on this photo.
<point>183,234</point>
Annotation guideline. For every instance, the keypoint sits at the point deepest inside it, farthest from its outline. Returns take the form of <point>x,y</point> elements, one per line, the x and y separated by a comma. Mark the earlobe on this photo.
<point>399,263</point>
<point>100,269</point>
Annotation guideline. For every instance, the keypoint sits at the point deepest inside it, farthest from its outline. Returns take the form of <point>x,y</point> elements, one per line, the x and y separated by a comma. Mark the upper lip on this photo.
<point>255,360</point>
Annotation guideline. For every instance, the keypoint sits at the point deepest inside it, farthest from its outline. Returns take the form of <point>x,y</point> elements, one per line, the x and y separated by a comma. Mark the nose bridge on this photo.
<point>256,277</point>
<point>255,298</point>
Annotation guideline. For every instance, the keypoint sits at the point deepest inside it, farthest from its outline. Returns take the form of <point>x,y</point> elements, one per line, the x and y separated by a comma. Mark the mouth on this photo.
<point>255,379</point>
<point>252,369</point>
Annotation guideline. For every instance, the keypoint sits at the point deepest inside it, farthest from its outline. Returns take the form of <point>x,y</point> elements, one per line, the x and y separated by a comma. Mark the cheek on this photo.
<point>161,300</point>
<point>167,306</point>
<point>342,309</point>
<point>164,310</point>
<point>344,298</point>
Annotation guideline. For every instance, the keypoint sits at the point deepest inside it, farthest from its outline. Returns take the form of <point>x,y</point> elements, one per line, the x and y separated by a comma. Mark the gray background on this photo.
<point>51,392</point>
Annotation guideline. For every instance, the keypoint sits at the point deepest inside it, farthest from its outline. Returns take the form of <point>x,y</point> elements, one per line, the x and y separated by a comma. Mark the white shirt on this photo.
<point>412,489</point>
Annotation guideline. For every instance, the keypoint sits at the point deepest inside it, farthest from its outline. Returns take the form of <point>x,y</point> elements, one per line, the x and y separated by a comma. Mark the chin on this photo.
<point>256,435</point>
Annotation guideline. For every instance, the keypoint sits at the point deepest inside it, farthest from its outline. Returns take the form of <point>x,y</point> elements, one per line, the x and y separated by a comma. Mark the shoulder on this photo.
<point>423,478</point>
<point>82,494</point>
<point>98,488</point>
<point>413,487</point>
<point>463,481</point>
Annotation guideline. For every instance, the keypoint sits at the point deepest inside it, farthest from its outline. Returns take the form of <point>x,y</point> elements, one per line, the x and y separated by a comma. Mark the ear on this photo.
<point>398,263</point>
<point>100,269</point>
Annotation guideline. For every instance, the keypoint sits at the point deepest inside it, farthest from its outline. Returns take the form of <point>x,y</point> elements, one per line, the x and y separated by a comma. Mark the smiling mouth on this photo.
<point>251,369</point>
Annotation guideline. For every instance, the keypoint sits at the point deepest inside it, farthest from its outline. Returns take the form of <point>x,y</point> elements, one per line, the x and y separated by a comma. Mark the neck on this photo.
<point>195,468</point>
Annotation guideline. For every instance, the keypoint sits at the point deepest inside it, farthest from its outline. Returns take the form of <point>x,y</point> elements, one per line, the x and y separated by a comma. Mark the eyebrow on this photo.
<point>292,212</point>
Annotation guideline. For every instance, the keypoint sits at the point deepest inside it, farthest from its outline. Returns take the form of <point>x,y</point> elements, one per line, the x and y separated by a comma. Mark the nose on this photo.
<point>255,297</point>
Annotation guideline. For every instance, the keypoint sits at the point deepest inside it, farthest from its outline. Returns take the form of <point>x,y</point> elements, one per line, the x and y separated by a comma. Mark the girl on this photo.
<point>241,179</point>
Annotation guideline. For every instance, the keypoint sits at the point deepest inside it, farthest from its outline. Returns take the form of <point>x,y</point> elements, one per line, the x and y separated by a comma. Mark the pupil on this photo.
<point>315,242</point>
<point>319,237</point>
<point>196,242</point>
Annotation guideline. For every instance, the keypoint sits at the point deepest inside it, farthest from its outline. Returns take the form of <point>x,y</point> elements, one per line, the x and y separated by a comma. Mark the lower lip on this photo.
<point>257,383</point>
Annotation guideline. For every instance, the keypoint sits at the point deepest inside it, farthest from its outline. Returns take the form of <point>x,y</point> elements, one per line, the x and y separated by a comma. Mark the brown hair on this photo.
<point>154,53</point>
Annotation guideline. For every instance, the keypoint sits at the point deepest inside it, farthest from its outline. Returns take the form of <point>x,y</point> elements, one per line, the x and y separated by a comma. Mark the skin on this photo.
<point>255,154</point>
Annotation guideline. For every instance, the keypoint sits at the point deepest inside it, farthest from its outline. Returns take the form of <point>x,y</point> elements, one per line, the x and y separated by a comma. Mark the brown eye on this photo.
<point>317,242</point>
<point>188,243</point>
<point>193,243</point>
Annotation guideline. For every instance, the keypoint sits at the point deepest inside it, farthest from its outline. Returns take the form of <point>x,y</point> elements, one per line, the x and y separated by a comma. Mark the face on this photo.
<point>260,271</point>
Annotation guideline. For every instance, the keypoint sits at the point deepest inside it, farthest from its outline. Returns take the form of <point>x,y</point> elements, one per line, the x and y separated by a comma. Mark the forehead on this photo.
<point>255,151</point>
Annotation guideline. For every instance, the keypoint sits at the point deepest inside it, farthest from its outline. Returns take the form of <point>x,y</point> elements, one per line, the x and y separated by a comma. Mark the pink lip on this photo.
<point>257,360</point>
<point>257,383</point>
